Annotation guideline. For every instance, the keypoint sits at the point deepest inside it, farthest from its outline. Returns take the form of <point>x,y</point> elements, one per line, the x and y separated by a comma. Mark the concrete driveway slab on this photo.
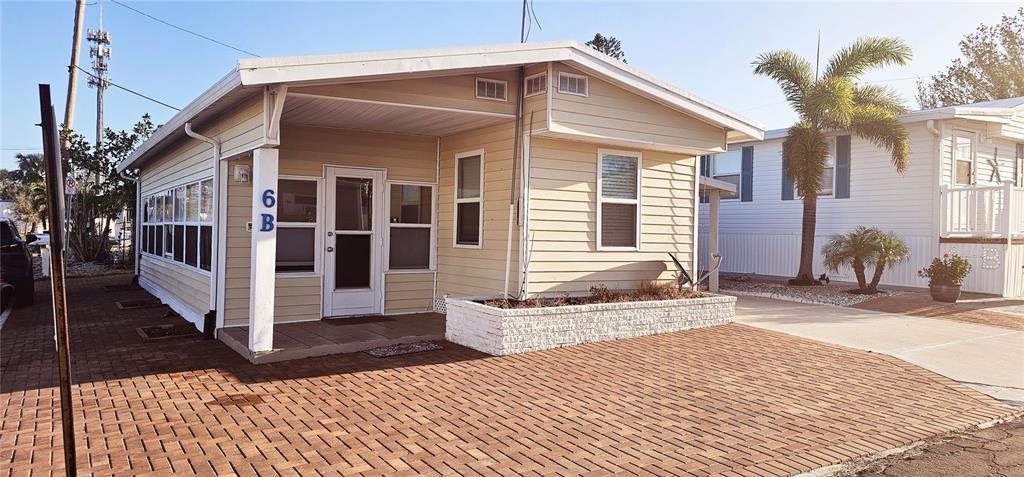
<point>987,358</point>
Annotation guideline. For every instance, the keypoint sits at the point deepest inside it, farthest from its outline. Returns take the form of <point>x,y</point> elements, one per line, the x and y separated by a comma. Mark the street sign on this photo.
<point>70,185</point>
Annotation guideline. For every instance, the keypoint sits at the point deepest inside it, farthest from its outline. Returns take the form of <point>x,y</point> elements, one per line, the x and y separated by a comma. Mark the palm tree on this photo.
<point>892,250</point>
<point>856,249</point>
<point>834,101</point>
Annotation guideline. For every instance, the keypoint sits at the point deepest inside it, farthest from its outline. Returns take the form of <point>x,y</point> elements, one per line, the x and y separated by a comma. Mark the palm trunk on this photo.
<point>805,275</point>
<point>879,267</point>
<point>858,270</point>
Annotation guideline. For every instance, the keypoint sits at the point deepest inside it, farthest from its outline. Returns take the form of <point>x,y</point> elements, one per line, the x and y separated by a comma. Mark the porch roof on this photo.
<point>252,74</point>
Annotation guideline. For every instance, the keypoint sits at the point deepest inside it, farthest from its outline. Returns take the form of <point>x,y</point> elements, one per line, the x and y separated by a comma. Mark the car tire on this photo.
<point>26,291</point>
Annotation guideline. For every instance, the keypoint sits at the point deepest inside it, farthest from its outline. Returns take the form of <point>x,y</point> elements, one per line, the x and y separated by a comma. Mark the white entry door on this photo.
<point>353,262</point>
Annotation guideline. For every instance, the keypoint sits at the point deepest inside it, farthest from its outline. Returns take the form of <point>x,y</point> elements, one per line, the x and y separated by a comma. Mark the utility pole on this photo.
<point>76,45</point>
<point>100,54</point>
<point>55,209</point>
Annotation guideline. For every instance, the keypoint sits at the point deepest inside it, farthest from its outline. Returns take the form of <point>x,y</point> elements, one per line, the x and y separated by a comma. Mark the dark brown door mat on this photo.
<point>167,332</point>
<point>143,303</point>
<point>357,320</point>
<point>400,349</point>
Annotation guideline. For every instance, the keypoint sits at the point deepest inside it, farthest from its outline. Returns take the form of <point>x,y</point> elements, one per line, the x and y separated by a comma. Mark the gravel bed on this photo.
<point>832,294</point>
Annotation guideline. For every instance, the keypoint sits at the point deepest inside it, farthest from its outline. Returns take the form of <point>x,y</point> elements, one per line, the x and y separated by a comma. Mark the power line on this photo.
<point>136,93</point>
<point>186,30</point>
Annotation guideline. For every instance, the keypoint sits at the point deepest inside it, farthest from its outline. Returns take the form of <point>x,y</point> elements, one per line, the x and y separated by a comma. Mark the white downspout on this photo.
<point>936,185</point>
<point>214,246</point>
<point>136,224</point>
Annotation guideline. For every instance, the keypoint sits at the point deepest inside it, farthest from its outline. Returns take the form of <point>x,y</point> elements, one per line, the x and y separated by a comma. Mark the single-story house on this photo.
<point>963,193</point>
<point>298,188</point>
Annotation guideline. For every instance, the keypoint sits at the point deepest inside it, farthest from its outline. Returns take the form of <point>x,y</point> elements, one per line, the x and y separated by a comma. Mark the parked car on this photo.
<point>16,262</point>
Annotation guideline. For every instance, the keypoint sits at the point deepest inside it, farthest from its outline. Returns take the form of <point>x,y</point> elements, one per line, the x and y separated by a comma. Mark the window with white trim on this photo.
<point>727,167</point>
<point>963,158</point>
<point>618,200</point>
<point>536,84</point>
<point>411,228</point>
<point>297,225</point>
<point>469,211</point>
<point>569,83</point>
<point>492,89</point>
<point>827,182</point>
<point>177,224</point>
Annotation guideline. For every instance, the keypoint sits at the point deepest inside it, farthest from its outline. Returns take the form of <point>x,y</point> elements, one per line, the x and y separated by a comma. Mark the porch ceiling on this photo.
<point>348,113</point>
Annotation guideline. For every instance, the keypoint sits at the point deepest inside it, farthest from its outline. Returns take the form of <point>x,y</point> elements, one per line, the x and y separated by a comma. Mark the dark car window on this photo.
<point>7,233</point>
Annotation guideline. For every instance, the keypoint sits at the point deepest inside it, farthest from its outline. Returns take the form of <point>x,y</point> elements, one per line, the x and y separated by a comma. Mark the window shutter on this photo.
<point>747,175</point>
<point>842,190</point>
<point>787,184</point>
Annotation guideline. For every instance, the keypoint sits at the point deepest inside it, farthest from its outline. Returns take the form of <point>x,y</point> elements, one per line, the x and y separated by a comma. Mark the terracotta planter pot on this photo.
<point>945,293</point>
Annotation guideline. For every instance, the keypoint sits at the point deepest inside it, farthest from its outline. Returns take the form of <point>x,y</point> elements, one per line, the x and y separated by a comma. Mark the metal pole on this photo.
<point>76,46</point>
<point>55,210</point>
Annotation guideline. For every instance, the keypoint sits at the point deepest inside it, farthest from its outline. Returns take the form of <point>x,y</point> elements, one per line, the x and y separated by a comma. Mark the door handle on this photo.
<point>330,249</point>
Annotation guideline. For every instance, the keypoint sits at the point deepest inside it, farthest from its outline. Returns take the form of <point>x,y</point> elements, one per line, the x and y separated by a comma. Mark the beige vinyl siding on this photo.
<point>471,271</point>
<point>188,286</point>
<point>297,298</point>
<point>609,111</point>
<point>456,92</point>
<point>238,249</point>
<point>305,151</point>
<point>563,220</point>
<point>408,292</point>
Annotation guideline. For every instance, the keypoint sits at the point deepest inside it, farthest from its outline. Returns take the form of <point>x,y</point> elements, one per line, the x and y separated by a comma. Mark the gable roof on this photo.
<point>257,72</point>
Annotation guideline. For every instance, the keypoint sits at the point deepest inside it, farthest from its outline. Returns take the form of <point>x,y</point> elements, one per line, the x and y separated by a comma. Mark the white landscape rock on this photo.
<point>500,332</point>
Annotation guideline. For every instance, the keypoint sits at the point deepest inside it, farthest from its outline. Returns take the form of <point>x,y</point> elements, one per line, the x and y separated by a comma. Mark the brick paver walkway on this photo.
<point>972,308</point>
<point>730,399</point>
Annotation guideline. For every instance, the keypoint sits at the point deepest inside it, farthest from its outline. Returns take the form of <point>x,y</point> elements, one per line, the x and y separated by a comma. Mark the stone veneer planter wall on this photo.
<point>502,332</point>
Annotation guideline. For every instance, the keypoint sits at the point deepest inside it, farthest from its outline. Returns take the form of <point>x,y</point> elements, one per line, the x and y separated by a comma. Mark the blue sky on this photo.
<point>705,48</point>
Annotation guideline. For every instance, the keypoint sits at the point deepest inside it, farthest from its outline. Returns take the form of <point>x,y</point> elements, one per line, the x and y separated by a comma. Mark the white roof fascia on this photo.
<point>214,93</point>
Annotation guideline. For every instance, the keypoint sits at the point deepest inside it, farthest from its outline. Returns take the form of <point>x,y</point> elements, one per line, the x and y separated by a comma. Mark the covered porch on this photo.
<point>983,211</point>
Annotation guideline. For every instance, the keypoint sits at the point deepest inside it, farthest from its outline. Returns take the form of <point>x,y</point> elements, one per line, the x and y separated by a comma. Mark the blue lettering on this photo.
<point>266,222</point>
<point>268,198</point>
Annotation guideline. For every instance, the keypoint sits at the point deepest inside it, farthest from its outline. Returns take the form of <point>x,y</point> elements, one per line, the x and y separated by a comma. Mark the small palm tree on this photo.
<point>834,101</point>
<point>892,250</point>
<point>856,249</point>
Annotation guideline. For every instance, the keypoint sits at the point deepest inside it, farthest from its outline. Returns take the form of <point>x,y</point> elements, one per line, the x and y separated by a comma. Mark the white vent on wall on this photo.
<point>495,90</point>
<point>572,84</point>
<point>536,84</point>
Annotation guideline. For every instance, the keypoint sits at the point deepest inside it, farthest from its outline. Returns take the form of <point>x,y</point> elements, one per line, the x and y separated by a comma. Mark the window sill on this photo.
<point>296,275</point>
<point>409,271</point>
<point>618,249</point>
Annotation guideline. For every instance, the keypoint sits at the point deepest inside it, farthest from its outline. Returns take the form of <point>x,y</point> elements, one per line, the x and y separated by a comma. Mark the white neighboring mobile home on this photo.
<point>963,192</point>
<point>298,188</point>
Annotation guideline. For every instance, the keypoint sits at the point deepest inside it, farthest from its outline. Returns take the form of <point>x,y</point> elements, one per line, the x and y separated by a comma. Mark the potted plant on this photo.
<point>945,276</point>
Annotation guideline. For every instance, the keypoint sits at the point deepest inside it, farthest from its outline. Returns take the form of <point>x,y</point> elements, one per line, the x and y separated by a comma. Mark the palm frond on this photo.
<point>792,72</point>
<point>879,97</point>
<point>830,103</point>
<point>883,129</point>
<point>806,150</point>
<point>868,53</point>
<point>892,249</point>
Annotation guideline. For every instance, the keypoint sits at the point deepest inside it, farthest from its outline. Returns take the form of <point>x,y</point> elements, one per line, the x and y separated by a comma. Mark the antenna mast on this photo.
<point>100,54</point>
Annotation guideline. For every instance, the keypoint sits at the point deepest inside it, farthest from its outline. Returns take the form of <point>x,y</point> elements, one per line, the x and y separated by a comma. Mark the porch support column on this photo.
<point>264,249</point>
<point>713,202</point>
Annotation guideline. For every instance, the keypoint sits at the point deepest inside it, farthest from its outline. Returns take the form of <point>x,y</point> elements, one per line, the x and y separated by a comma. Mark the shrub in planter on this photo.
<point>945,276</point>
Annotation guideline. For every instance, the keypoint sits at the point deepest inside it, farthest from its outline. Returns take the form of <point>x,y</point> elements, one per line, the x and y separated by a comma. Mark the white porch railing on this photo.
<point>992,211</point>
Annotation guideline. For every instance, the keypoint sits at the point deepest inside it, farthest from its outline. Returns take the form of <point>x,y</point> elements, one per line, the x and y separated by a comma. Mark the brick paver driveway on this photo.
<point>726,399</point>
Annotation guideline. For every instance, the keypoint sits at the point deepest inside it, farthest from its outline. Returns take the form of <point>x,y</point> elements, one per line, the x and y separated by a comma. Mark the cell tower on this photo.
<point>100,54</point>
